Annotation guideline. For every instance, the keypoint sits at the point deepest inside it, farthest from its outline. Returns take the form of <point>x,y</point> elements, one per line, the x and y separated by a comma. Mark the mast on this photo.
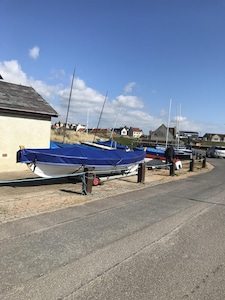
<point>168,123</point>
<point>87,120</point>
<point>179,126</point>
<point>177,129</point>
<point>111,136</point>
<point>68,108</point>
<point>100,115</point>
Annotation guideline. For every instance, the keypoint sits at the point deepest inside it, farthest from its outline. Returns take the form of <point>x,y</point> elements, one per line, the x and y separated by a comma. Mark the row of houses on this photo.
<point>157,136</point>
<point>161,134</point>
<point>214,137</point>
<point>123,131</point>
<point>26,120</point>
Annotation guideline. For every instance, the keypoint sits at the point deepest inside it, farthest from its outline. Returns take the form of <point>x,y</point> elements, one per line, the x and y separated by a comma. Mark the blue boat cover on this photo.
<point>80,155</point>
<point>59,145</point>
<point>113,144</point>
<point>150,150</point>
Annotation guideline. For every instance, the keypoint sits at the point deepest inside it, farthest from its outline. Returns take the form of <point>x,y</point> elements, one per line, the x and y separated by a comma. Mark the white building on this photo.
<point>25,120</point>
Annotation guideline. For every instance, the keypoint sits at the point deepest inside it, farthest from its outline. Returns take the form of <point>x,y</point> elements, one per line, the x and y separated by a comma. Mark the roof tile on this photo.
<point>14,97</point>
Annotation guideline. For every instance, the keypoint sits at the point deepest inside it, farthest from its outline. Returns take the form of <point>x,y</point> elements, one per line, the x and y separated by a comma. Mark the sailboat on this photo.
<point>75,159</point>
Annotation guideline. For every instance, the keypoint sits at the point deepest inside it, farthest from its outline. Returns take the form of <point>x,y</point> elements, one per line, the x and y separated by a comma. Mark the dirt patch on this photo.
<point>26,200</point>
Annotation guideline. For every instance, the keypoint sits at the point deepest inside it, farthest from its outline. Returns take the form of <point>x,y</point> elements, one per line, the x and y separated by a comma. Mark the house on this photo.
<point>25,120</point>
<point>125,131</point>
<point>190,134</point>
<point>100,131</point>
<point>135,132</point>
<point>214,137</point>
<point>81,128</point>
<point>160,135</point>
<point>121,131</point>
<point>58,125</point>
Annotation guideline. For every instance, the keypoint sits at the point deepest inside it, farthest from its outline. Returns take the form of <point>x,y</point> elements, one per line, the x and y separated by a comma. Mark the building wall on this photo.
<point>124,132</point>
<point>216,138</point>
<point>137,134</point>
<point>160,135</point>
<point>21,131</point>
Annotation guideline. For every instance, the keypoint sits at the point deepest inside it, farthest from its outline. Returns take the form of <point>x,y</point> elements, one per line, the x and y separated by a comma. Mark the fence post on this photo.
<point>204,162</point>
<point>141,173</point>
<point>192,165</point>
<point>84,184</point>
<point>89,179</point>
<point>172,169</point>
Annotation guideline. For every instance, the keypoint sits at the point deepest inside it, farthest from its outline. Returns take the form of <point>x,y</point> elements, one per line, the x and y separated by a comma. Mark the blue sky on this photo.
<point>142,54</point>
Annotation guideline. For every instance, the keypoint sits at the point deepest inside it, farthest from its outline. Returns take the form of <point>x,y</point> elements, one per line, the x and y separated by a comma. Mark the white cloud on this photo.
<point>34,52</point>
<point>123,110</point>
<point>82,98</point>
<point>57,74</point>
<point>128,101</point>
<point>163,113</point>
<point>179,118</point>
<point>129,87</point>
<point>11,72</point>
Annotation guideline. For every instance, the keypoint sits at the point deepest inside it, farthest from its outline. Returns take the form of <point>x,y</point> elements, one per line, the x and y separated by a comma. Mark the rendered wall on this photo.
<point>16,132</point>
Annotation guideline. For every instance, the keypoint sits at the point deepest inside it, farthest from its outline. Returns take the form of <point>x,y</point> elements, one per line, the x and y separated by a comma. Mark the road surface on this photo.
<point>162,242</point>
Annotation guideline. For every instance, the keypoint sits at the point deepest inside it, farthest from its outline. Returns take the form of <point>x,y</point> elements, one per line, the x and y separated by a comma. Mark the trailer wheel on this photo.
<point>96,181</point>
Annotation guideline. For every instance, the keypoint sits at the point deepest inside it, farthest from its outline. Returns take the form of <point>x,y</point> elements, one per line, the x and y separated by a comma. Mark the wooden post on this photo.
<point>192,165</point>
<point>204,162</point>
<point>89,179</point>
<point>84,184</point>
<point>141,173</point>
<point>172,169</point>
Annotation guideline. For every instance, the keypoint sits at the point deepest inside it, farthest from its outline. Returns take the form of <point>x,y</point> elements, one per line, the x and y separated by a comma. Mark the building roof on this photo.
<point>135,129</point>
<point>99,130</point>
<point>211,135</point>
<point>160,134</point>
<point>16,98</point>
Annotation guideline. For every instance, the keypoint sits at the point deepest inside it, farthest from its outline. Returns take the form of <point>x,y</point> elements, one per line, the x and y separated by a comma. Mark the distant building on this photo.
<point>121,131</point>
<point>135,132</point>
<point>80,127</point>
<point>100,131</point>
<point>25,119</point>
<point>160,135</point>
<point>214,137</point>
<point>73,126</point>
<point>126,131</point>
<point>190,134</point>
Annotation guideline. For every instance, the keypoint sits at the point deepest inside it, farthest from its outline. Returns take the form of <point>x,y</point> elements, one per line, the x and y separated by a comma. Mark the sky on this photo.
<point>136,63</point>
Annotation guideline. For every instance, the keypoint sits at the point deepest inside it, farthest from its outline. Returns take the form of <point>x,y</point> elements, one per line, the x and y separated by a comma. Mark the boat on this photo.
<point>54,145</point>
<point>155,157</point>
<point>111,144</point>
<point>181,152</point>
<point>153,153</point>
<point>89,144</point>
<point>51,162</point>
<point>184,153</point>
<point>96,145</point>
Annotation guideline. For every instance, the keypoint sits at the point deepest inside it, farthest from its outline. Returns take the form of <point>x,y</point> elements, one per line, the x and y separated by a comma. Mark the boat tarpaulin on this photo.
<point>80,155</point>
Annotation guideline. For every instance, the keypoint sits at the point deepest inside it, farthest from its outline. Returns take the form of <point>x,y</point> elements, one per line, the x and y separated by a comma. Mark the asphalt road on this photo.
<point>162,242</point>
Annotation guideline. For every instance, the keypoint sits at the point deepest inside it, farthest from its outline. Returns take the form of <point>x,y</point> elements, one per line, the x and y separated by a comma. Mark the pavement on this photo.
<point>25,199</point>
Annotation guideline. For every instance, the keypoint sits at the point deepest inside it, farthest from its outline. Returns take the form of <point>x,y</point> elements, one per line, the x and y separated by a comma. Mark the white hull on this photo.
<point>178,163</point>
<point>50,170</point>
